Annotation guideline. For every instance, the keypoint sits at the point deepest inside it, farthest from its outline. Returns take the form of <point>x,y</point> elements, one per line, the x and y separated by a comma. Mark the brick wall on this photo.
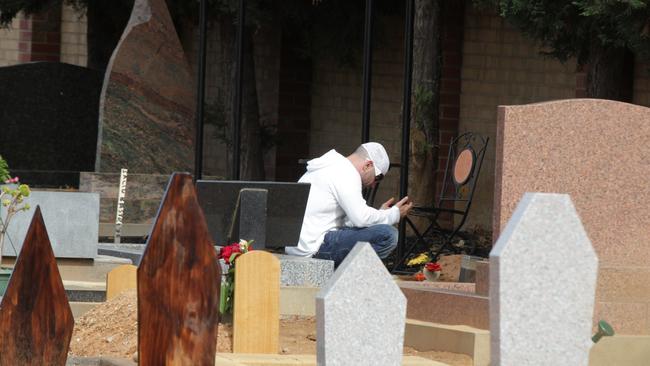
<point>336,104</point>
<point>452,55</point>
<point>73,37</point>
<point>40,36</point>
<point>294,105</point>
<point>9,42</point>
<point>218,87</point>
<point>501,67</point>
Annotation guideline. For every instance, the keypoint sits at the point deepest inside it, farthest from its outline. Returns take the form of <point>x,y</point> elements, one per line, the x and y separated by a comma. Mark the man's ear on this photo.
<point>369,164</point>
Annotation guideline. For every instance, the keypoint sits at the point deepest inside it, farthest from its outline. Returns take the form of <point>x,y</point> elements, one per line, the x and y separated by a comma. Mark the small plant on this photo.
<point>12,196</point>
<point>229,254</point>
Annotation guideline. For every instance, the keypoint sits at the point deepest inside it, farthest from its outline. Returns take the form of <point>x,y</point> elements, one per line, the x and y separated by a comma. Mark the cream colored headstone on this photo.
<point>256,310</point>
<point>120,279</point>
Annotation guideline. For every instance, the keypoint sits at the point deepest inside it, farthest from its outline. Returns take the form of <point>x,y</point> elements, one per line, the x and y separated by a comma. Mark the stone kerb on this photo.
<point>595,151</point>
<point>542,285</point>
<point>360,313</point>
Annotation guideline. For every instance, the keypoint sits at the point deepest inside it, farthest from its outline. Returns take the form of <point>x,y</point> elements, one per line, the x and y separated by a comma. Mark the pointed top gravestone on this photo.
<point>178,283</point>
<point>360,313</point>
<point>35,318</point>
<point>146,118</point>
<point>542,285</point>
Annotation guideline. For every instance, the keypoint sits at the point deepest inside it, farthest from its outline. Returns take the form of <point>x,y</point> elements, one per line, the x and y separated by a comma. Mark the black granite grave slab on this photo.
<point>49,116</point>
<point>286,204</point>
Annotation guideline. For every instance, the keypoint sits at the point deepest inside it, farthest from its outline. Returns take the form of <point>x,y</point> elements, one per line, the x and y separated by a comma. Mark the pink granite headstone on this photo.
<point>146,121</point>
<point>597,152</point>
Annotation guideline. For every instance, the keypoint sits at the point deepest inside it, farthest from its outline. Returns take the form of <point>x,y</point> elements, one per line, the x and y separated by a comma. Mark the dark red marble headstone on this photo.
<point>35,318</point>
<point>178,283</point>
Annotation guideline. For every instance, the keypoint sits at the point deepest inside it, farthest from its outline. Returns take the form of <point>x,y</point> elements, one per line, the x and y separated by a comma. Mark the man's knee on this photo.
<point>388,237</point>
<point>390,234</point>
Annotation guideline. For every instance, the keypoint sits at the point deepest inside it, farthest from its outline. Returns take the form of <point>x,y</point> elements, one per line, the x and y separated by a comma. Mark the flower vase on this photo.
<point>431,275</point>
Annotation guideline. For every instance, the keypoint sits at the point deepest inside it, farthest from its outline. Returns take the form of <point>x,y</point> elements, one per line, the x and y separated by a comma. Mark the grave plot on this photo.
<point>35,317</point>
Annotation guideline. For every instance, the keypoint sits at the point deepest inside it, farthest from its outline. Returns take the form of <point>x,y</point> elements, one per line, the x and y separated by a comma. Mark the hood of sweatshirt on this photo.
<point>329,158</point>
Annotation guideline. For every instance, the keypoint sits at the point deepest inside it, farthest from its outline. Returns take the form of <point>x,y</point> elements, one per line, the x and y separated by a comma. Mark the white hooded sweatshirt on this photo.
<point>335,200</point>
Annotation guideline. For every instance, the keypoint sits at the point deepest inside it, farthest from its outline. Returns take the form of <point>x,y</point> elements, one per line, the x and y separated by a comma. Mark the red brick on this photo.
<point>25,36</point>
<point>46,48</point>
<point>450,111</point>
<point>451,72</point>
<point>53,37</point>
<point>25,24</point>
<point>449,99</point>
<point>44,57</point>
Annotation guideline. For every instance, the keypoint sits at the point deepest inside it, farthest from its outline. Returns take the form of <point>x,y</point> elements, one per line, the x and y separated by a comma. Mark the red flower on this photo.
<point>419,276</point>
<point>227,252</point>
<point>433,267</point>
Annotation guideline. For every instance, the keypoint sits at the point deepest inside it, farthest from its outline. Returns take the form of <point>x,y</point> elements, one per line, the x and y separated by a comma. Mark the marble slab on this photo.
<point>147,106</point>
<point>72,220</point>
<point>360,313</point>
<point>542,286</point>
<point>595,151</point>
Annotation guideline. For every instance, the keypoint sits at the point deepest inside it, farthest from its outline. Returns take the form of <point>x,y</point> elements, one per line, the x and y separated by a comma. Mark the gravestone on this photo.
<point>252,216</point>
<point>40,100</point>
<point>360,313</point>
<point>146,120</point>
<point>120,279</point>
<point>542,285</point>
<point>286,203</point>
<point>72,219</point>
<point>595,151</point>
<point>35,317</point>
<point>256,311</point>
<point>178,283</point>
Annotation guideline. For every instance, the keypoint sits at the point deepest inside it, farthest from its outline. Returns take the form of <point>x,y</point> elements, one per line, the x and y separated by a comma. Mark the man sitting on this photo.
<point>337,216</point>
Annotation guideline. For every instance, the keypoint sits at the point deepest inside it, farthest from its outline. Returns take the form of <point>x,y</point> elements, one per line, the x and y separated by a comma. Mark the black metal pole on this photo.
<point>236,142</point>
<point>406,115</point>
<point>367,72</point>
<point>200,93</point>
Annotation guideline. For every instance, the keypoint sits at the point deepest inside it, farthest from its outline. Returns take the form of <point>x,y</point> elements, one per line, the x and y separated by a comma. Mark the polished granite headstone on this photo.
<point>146,121</point>
<point>286,203</point>
<point>35,317</point>
<point>596,151</point>
<point>252,216</point>
<point>45,99</point>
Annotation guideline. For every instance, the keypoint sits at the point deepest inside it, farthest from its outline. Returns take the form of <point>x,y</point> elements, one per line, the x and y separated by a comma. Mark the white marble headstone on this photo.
<point>360,313</point>
<point>542,285</point>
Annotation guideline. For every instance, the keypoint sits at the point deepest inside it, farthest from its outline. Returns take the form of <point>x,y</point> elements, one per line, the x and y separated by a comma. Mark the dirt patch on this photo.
<point>111,329</point>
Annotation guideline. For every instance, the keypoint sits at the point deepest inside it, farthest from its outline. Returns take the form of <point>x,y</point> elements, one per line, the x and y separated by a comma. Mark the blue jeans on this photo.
<point>338,243</point>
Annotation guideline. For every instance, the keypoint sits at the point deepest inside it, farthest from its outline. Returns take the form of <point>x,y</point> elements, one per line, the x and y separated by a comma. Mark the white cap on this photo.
<point>379,157</point>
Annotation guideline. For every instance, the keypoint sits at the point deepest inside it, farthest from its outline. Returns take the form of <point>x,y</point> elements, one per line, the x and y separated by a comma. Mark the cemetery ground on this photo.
<point>110,330</point>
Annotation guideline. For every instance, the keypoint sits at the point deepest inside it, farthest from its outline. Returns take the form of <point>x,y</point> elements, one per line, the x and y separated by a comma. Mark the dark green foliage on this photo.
<point>4,170</point>
<point>575,28</point>
<point>327,28</point>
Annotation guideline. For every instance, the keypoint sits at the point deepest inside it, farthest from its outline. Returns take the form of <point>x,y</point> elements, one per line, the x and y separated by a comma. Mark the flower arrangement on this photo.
<point>229,254</point>
<point>430,270</point>
<point>433,267</point>
<point>11,198</point>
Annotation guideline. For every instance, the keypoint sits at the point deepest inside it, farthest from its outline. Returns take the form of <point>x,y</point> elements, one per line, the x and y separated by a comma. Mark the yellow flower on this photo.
<point>420,259</point>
